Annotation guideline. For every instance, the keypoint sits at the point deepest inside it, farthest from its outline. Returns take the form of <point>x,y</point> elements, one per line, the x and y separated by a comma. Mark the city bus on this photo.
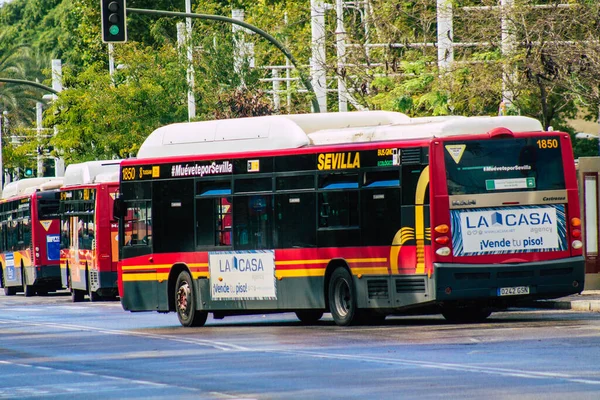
<point>29,236</point>
<point>89,248</point>
<point>360,214</point>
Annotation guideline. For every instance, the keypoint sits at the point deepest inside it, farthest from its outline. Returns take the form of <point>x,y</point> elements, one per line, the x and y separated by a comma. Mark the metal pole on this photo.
<point>317,61</point>
<point>340,41</point>
<point>38,120</point>
<point>288,83</point>
<point>508,42</point>
<point>444,35</point>
<point>59,163</point>
<point>111,59</point>
<point>276,98</point>
<point>190,58</point>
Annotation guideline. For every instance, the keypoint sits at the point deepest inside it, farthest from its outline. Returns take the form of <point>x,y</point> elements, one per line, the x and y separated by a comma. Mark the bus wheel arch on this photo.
<point>341,293</point>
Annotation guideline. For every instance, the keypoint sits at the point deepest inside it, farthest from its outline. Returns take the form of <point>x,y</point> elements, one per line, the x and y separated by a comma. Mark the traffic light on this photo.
<point>114,24</point>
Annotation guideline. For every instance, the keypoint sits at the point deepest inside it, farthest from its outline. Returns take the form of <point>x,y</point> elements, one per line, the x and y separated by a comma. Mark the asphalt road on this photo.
<point>52,348</point>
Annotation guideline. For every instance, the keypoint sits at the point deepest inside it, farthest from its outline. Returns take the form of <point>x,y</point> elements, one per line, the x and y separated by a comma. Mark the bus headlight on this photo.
<point>577,244</point>
<point>443,251</point>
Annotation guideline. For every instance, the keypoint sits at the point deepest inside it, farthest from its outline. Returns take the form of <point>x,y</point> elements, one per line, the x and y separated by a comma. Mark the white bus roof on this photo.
<point>25,186</point>
<point>299,130</point>
<point>92,172</point>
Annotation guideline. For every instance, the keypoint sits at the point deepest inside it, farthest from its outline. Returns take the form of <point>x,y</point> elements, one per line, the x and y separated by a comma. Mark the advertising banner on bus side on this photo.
<point>242,275</point>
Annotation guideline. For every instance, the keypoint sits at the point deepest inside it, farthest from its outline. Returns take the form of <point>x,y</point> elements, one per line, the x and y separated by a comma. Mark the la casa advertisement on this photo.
<point>513,230</point>
<point>242,275</point>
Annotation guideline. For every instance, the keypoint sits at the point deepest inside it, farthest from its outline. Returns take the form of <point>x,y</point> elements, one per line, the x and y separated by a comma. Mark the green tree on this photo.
<point>101,118</point>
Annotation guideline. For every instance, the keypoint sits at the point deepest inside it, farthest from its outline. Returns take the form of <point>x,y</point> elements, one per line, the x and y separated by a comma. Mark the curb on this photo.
<point>575,305</point>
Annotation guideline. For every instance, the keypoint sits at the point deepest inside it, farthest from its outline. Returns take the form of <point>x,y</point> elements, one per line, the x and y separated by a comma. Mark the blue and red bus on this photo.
<point>362,214</point>
<point>29,236</point>
<point>89,248</point>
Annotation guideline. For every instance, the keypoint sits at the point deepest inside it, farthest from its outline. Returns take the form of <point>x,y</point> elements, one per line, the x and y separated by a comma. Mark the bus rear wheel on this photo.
<point>10,290</point>
<point>309,316</point>
<point>342,298</point>
<point>185,302</point>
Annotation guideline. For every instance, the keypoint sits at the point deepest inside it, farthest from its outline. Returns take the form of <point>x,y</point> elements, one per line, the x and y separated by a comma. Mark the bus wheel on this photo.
<point>28,290</point>
<point>309,316</point>
<point>466,314</point>
<point>342,298</point>
<point>77,295</point>
<point>10,290</point>
<point>185,302</point>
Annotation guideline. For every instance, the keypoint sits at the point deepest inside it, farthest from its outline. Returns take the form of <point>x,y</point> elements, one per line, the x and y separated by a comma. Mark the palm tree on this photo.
<point>17,100</point>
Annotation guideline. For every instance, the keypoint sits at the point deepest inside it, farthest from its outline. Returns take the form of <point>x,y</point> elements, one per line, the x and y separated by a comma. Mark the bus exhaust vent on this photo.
<point>410,284</point>
<point>411,156</point>
<point>378,289</point>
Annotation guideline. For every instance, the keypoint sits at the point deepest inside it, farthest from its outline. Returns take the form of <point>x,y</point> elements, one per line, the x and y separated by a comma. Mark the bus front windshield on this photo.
<point>503,165</point>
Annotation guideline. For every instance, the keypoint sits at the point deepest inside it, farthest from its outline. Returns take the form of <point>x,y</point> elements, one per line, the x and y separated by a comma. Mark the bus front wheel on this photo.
<point>185,302</point>
<point>342,298</point>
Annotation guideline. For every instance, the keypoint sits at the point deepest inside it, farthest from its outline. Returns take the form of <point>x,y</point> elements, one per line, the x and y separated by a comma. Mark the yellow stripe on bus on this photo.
<point>326,261</point>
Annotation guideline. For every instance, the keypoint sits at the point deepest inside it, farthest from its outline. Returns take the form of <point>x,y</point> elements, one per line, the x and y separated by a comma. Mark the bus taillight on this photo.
<point>576,233</point>
<point>442,228</point>
<point>442,240</point>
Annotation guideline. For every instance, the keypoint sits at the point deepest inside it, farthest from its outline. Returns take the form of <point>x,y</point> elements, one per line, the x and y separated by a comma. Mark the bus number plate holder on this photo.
<point>513,291</point>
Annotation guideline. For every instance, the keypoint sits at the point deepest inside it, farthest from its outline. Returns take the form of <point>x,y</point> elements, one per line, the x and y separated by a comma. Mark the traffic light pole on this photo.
<point>246,25</point>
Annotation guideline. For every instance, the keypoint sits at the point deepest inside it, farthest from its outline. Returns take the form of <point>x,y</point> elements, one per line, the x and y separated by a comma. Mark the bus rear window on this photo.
<point>504,165</point>
<point>48,204</point>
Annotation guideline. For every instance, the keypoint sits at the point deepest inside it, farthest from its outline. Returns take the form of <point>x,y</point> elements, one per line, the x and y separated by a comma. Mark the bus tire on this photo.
<point>77,296</point>
<point>10,290</point>
<point>463,315</point>
<point>185,302</point>
<point>342,298</point>
<point>309,317</point>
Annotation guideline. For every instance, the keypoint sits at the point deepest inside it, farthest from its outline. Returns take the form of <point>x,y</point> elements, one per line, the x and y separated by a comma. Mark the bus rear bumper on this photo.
<point>543,280</point>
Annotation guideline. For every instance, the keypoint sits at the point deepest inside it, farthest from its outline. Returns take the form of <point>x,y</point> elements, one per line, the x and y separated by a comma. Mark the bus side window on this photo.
<point>253,222</point>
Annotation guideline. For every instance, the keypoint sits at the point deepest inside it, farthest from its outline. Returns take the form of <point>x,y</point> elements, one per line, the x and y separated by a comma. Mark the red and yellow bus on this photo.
<point>89,248</point>
<point>29,236</point>
<point>362,214</point>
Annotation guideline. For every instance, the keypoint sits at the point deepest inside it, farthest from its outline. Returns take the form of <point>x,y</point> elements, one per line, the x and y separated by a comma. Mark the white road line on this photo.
<point>201,342</point>
<point>449,366</point>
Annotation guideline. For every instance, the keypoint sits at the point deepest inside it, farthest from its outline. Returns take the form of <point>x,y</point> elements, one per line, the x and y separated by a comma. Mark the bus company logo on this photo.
<point>241,264</point>
<point>347,160</point>
<point>508,219</point>
<point>201,170</point>
<point>496,219</point>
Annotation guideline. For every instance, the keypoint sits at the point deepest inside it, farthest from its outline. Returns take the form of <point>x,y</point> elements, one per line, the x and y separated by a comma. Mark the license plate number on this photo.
<point>513,291</point>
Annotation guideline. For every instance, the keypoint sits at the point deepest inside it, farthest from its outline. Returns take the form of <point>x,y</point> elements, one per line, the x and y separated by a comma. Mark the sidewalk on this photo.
<point>588,300</point>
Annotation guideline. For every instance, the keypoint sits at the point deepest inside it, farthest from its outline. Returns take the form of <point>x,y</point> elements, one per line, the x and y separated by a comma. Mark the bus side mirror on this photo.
<point>118,208</point>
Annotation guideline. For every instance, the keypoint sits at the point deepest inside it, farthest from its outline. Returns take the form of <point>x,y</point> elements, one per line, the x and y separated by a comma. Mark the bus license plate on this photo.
<point>513,291</point>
